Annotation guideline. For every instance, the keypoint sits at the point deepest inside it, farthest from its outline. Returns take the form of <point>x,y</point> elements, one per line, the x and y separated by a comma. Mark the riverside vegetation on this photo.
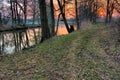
<point>89,54</point>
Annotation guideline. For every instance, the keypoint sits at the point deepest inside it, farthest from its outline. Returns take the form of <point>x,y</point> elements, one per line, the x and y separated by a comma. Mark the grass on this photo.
<point>78,56</point>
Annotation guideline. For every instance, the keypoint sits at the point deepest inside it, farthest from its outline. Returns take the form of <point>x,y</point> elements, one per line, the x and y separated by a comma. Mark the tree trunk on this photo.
<point>34,7</point>
<point>77,18</point>
<point>25,11</point>
<point>44,21</point>
<point>52,30</point>
<point>63,15</point>
<point>0,18</point>
<point>107,13</point>
<point>11,7</point>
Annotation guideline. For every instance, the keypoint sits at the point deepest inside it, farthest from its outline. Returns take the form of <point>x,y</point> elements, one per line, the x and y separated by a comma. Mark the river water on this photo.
<point>17,40</point>
<point>14,41</point>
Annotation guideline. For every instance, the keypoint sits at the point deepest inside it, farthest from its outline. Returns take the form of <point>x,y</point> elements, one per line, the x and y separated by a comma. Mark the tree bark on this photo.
<point>44,21</point>
<point>77,18</point>
<point>52,30</point>
<point>107,13</point>
<point>25,11</point>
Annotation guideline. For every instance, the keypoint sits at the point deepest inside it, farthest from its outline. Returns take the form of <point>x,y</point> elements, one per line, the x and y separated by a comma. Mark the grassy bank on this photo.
<point>88,54</point>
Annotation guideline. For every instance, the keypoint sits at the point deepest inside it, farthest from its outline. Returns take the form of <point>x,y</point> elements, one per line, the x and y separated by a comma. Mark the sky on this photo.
<point>70,10</point>
<point>4,2</point>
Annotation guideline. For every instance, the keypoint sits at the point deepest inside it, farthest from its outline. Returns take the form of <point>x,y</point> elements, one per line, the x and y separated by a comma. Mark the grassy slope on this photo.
<point>80,55</point>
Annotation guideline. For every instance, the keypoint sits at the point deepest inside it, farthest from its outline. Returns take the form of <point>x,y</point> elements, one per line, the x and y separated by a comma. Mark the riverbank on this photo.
<point>90,54</point>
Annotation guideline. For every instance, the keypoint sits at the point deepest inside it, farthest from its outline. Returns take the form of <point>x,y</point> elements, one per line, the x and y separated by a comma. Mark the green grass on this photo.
<point>76,56</point>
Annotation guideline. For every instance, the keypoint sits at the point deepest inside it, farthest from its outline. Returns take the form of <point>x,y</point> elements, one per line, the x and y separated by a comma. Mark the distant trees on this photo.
<point>117,5</point>
<point>15,14</point>
<point>21,10</point>
<point>111,6</point>
<point>4,14</point>
<point>16,9</point>
<point>34,11</point>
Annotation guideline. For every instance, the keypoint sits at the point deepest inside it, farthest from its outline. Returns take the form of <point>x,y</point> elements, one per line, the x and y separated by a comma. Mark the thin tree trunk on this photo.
<point>0,18</point>
<point>34,7</point>
<point>25,11</point>
<point>27,39</point>
<point>107,13</point>
<point>77,18</point>
<point>63,15</point>
<point>11,7</point>
<point>58,23</point>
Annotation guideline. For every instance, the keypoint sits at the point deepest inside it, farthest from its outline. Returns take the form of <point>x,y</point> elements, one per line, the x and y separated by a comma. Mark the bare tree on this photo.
<point>109,10</point>
<point>76,10</point>
<point>0,18</point>
<point>63,16</point>
<point>52,26</point>
<point>44,20</point>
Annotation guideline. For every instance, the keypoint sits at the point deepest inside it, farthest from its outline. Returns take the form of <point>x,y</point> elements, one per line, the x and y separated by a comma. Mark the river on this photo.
<point>14,41</point>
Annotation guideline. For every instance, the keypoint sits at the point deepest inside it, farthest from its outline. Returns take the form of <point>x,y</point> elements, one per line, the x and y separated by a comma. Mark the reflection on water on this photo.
<point>62,31</point>
<point>15,41</point>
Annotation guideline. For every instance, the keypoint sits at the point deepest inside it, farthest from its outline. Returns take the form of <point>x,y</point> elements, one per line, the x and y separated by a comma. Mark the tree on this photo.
<point>0,18</point>
<point>77,18</point>
<point>63,15</point>
<point>109,10</point>
<point>52,26</point>
<point>44,20</point>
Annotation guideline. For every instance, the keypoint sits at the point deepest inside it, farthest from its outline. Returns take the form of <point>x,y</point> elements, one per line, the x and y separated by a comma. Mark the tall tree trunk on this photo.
<point>11,7</point>
<point>44,20</point>
<point>77,18</point>
<point>63,15</point>
<point>64,5</point>
<point>25,11</point>
<point>0,18</point>
<point>107,13</point>
<point>34,7</point>
<point>110,8</point>
<point>52,30</point>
